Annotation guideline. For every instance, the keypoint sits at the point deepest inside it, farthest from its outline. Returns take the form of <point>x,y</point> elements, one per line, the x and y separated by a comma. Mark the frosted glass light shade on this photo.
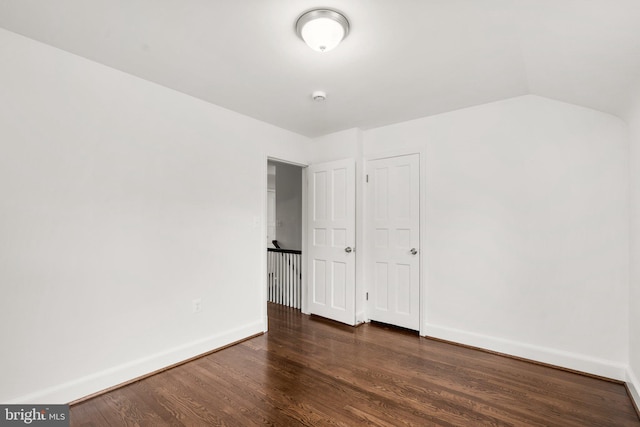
<point>322,29</point>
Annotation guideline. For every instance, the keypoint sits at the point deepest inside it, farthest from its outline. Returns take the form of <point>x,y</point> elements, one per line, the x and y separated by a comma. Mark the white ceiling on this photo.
<point>403,59</point>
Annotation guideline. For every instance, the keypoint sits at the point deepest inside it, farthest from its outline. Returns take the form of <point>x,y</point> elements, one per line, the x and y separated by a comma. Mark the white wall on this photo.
<point>346,144</point>
<point>289,206</point>
<point>121,202</point>
<point>634,283</point>
<point>526,229</point>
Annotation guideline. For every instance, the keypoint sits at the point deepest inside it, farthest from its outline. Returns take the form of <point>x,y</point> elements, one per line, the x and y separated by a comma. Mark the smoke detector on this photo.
<point>319,95</point>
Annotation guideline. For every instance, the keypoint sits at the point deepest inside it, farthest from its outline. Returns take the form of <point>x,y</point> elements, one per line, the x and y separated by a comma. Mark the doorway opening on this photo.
<point>284,234</point>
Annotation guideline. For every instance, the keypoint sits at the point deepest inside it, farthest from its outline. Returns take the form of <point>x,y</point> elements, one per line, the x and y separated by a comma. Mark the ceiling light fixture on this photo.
<point>322,29</point>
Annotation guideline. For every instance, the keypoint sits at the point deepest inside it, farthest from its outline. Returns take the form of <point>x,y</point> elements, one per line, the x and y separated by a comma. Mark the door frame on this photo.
<point>422,156</point>
<point>263,225</point>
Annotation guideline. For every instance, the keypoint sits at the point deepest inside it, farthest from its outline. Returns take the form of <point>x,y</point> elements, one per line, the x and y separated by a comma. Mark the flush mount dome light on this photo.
<point>322,29</point>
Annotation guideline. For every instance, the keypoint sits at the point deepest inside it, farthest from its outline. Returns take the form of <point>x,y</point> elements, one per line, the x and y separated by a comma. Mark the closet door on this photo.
<point>393,236</point>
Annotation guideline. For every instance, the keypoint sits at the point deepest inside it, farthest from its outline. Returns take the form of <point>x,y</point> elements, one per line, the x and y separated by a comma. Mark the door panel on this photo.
<point>331,190</point>
<point>393,230</point>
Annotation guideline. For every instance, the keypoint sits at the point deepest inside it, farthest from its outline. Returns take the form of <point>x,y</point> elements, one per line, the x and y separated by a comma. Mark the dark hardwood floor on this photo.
<point>306,371</point>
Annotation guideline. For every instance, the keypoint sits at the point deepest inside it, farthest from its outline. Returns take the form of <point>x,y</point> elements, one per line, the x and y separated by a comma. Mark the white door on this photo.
<point>331,237</point>
<point>393,240</point>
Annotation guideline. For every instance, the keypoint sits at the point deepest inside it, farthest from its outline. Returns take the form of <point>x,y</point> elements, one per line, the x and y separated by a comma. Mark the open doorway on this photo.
<point>284,234</point>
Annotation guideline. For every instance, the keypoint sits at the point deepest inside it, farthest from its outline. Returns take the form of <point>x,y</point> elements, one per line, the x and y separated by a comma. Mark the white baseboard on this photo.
<point>634,387</point>
<point>574,361</point>
<point>90,384</point>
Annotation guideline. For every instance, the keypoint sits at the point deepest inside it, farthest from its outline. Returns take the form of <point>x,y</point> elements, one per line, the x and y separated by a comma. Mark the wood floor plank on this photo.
<point>309,371</point>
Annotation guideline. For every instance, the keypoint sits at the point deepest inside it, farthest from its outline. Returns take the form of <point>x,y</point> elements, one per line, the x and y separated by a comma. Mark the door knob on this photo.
<point>348,249</point>
<point>413,251</point>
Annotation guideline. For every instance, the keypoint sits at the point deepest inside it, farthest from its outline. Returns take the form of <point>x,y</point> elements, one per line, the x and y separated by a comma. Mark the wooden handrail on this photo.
<point>284,251</point>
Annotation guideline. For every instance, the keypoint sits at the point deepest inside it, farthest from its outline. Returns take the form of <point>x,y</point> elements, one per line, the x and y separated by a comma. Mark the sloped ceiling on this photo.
<point>403,59</point>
